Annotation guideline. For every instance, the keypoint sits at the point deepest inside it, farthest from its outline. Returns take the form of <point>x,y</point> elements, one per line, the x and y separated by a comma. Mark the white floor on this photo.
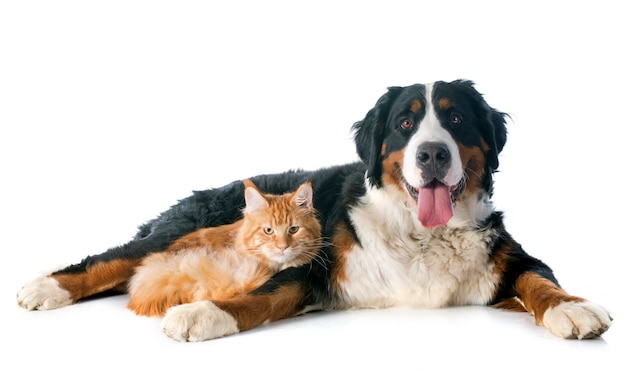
<point>112,111</point>
<point>103,335</point>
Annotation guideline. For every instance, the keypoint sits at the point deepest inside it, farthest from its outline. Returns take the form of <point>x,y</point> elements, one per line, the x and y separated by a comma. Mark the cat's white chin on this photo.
<point>278,263</point>
<point>281,258</point>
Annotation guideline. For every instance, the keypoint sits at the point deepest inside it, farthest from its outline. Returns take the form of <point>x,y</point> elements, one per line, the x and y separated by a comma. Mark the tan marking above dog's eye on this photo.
<point>415,106</point>
<point>406,124</point>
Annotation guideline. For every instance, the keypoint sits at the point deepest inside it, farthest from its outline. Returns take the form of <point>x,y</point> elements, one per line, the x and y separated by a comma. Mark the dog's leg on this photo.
<point>110,270</point>
<point>205,320</point>
<point>65,288</point>
<point>564,315</point>
<point>529,284</point>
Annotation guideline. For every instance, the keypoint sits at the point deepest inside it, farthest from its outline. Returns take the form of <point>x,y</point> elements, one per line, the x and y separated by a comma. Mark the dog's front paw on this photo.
<point>198,321</point>
<point>43,293</point>
<point>577,320</point>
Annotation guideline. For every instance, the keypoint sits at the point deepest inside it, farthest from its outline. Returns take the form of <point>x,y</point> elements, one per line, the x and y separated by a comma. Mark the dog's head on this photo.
<point>437,142</point>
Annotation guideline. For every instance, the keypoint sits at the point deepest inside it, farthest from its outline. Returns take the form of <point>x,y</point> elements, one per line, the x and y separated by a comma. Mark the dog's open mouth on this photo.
<point>435,202</point>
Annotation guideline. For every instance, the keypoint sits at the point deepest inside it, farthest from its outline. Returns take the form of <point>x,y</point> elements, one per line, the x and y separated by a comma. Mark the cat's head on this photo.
<point>281,230</point>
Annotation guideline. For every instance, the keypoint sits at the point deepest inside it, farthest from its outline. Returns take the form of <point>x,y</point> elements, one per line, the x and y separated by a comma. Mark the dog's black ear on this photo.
<point>493,123</point>
<point>369,135</point>
<point>495,135</point>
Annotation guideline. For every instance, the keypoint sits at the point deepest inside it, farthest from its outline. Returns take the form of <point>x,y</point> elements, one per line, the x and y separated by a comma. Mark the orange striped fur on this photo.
<point>221,263</point>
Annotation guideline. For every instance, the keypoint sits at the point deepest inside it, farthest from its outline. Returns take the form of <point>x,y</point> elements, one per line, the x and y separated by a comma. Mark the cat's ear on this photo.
<point>303,197</point>
<point>254,199</point>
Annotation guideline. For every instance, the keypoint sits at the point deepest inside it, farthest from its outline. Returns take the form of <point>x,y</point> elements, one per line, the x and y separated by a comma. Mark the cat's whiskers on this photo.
<point>312,252</point>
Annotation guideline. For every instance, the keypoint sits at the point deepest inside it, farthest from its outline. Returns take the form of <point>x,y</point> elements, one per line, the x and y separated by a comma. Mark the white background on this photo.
<point>112,111</point>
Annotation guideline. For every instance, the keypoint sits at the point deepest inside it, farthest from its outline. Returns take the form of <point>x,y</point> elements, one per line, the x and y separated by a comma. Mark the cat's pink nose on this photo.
<point>283,247</point>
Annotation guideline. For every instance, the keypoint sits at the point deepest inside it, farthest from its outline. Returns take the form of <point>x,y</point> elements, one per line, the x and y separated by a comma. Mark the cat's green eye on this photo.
<point>294,229</point>
<point>268,230</point>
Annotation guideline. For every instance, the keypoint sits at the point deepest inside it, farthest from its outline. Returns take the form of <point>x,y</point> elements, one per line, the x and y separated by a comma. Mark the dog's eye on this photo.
<point>455,119</point>
<point>406,124</point>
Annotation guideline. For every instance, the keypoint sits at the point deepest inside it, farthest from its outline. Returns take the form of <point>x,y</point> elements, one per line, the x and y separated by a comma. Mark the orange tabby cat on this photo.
<point>276,232</point>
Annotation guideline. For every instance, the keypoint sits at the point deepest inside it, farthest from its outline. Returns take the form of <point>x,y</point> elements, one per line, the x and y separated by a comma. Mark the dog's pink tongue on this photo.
<point>434,205</point>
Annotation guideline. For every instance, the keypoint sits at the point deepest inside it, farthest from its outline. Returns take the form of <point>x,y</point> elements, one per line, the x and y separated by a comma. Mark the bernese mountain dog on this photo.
<point>410,224</point>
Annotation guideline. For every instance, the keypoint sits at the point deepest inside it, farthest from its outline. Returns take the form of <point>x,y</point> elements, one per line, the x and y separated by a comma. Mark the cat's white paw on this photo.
<point>577,320</point>
<point>43,293</point>
<point>198,321</point>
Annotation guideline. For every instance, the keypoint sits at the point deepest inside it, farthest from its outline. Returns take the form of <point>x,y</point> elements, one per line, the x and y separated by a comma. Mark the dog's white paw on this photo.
<point>577,320</point>
<point>198,321</point>
<point>43,293</point>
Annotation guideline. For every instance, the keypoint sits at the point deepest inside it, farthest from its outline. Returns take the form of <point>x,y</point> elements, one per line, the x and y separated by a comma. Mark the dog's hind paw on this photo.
<point>198,321</point>
<point>43,293</point>
<point>577,320</point>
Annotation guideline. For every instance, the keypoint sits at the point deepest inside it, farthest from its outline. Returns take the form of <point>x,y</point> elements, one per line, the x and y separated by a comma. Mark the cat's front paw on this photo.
<point>43,293</point>
<point>198,321</point>
<point>577,320</point>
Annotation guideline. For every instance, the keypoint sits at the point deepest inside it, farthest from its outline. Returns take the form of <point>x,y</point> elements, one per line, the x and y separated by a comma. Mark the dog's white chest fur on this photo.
<point>401,263</point>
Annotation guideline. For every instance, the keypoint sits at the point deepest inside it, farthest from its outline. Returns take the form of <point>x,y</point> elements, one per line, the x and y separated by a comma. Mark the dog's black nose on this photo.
<point>433,156</point>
